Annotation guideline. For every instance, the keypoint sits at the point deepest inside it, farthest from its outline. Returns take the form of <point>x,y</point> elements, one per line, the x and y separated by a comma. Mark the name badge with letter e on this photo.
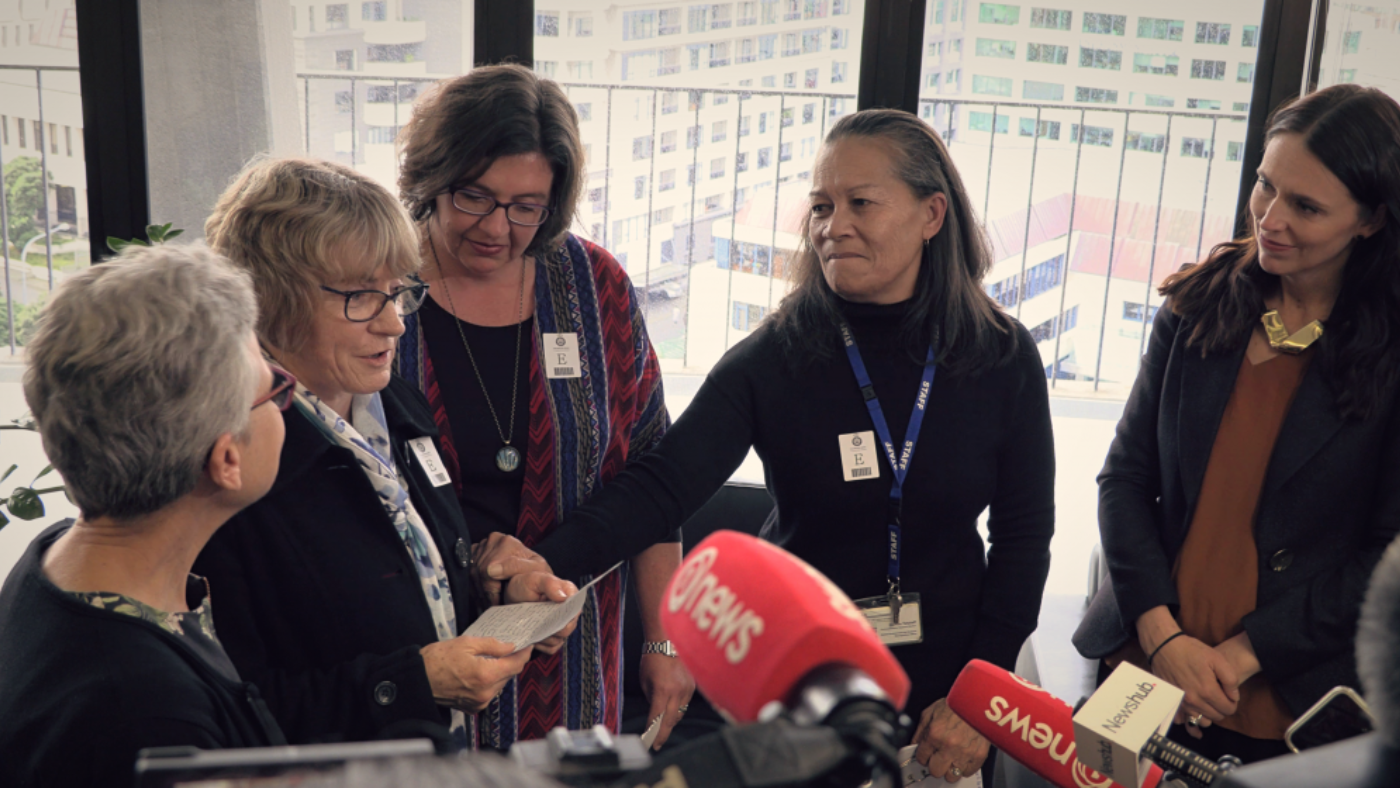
<point>561,356</point>
<point>880,613</point>
<point>427,454</point>
<point>860,456</point>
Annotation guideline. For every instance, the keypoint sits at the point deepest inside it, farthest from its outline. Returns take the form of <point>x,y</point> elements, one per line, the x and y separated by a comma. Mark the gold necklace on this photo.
<point>1282,341</point>
<point>508,457</point>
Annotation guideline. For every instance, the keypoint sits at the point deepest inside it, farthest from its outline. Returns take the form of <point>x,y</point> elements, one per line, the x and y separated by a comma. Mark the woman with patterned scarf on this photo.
<point>534,357</point>
<point>345,591</point>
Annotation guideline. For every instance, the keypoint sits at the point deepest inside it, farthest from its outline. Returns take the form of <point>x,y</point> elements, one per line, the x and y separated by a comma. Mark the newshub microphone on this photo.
<point>1029,724</point>
<point>752,622</point>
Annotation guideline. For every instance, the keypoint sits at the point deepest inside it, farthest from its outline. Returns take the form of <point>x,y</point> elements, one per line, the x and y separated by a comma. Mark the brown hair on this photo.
<point>950,310</point>
<point>296,224</point>
<point>462,125</point>
<point>1355,133</point>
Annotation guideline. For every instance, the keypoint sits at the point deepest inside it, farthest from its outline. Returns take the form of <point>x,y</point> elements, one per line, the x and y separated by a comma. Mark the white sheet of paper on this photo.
<point>916,776</point>
<point>527,623</point>
<point>653,730</point>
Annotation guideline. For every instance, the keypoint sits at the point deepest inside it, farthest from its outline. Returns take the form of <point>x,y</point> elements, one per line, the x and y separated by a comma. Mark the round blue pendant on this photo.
<point>508,458</point>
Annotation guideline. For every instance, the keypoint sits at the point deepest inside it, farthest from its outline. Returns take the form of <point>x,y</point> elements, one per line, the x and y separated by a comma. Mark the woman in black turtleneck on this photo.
<point>892,250</point>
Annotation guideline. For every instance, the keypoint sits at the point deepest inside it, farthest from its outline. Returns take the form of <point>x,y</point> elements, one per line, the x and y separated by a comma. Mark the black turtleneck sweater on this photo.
<point>985,442</point>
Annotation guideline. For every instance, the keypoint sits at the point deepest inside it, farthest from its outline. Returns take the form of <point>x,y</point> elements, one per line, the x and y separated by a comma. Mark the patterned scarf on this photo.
<point>582,432</point>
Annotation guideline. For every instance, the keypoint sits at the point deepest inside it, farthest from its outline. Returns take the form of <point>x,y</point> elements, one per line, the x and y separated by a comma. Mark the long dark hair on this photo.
<point>950,311</point>
<point>1355,133</point>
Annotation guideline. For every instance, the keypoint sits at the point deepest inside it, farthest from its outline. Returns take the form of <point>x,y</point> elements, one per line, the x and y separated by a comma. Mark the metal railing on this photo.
<point>43,143</point>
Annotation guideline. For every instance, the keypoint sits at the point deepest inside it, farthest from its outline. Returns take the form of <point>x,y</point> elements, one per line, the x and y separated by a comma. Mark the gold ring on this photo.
<point>1195,720</point>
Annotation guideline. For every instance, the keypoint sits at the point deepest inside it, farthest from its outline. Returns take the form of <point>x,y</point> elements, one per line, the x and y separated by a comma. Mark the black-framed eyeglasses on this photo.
<point>525,214</point>
<point>362,306</point>
<point>284,386</point>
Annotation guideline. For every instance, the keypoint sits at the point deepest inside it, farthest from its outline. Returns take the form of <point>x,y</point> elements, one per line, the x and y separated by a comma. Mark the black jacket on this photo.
<point>1360,762</point>
<point>85,689</point>
<point>317,601</point>
<point>1329,507</point>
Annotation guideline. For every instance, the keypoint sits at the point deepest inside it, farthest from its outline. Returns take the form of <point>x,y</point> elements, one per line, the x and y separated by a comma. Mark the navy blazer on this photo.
<point>1329,507</point>
<point>315,597</point>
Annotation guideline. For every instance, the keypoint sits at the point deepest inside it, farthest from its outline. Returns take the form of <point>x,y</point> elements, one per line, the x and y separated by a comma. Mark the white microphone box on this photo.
<point>1112,727</point>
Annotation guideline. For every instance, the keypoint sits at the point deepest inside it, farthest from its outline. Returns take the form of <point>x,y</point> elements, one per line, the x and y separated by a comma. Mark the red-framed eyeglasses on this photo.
<point>284,386</point>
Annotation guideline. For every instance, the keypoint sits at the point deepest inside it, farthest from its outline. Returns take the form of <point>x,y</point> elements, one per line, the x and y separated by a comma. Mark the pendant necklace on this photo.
<point>1282,341</point>
<point>507,457</point>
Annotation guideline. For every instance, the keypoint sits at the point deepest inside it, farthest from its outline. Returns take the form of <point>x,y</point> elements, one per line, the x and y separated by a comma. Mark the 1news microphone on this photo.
<point>1028,724</point>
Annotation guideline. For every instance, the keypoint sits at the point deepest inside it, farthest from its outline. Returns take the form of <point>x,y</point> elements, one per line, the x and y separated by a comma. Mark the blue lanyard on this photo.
<point>899,465</point>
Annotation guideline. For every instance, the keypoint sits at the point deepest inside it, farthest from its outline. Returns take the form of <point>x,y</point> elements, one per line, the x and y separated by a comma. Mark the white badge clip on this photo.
<point>427,454</point>
<point>879,611</point>
<point>860,456</point>
<point>561,356</point>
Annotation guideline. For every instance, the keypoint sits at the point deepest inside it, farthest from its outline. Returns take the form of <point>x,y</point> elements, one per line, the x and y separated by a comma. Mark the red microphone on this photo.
<point>750,620</point>
<point>1027,723</point>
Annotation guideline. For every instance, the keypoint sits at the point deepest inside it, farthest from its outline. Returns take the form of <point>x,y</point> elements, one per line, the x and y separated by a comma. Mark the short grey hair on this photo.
<point>136,368</point>
<point>1378,645</point>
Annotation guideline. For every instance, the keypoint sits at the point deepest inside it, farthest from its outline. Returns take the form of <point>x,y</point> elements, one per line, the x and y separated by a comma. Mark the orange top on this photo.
<point>1217,571</point>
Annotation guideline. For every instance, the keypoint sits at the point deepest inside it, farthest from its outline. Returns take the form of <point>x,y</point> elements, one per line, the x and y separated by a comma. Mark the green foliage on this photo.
<point>25,502</point>
<point>24,196</point>
<point>26,319</point>
<point>157,233</point>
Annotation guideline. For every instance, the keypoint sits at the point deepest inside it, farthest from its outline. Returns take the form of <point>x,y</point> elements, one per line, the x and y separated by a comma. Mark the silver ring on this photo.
<point>1195,720</point>
<point>684,709</point>
<point>956,772</point>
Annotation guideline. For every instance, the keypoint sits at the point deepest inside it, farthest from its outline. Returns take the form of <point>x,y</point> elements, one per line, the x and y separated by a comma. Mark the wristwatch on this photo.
<point>659,647</point>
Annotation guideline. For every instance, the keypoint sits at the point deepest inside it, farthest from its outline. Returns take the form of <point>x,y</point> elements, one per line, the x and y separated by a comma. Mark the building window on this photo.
<point>668,21</point>
<point>719,130</point>
<point>1163,29</point>
<point>1048,128</point>
<point>1202,104</point>
<point>788,116</point>
<point>639,187</point>
<point>811,41</point>
<point>584,110</point>
<point>717,167</point>
<point>791,45</point>
<point>19,128</point>
<point>1234,151</point>
<point>692,137</point>
<point>1250,36</point>
<point>1042,91</point>
<point>1050,18</point>
<point>1106,24</point>
<point>690,175</point>
<point>641,148</point>
<point>785,152</point>
<point>1346,75</point>
<point>1351,42</point>
<point>1245,73</point>
<point>547,24</point>
<point>991,86</point>
<point>748,316</point>
<point>395,53</point>
<point>748,13</point>
<point>583,26</point>
<point>371,12</point>
<point>337,16</point>
<point>719,54</point>
<point>1093,135</point>
<point>670,104</point>
<point>1195,147</point>
<point>1138,313</point>
<point>697,100</point>
<point>741,162</point>
<point>1100,58</point>
<point>767,48</point>
<point>1096,95</point>
<point>995,47</point>
<point>809,113</point>
<point>931,80</point>
<point>1240,106</point>
<point>721,16</point>
<point>1152,143</point>
<point>345,60</point>
<point>1047,53</point>
<point>1160,101</point>
<point>748,51</point>
<point>840,38</point>
<point>838,73</point>
<point>1156,64</point>
<point>765,157</point>
<point>382,135</point>
<point>663,216</point>
<point>666,180</point>
<point>715,202</point>
<point>810,77</point>
<point>982,121</point>
<point>998,13</point>
<point>636,25</point>
<point>1212,33</point>
<point>1207,69</point>
<point>699,19</point>
<point>67,140</point>
<point>53,138</point>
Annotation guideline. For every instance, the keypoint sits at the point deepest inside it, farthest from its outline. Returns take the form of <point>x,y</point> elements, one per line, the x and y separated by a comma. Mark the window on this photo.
<point>1195,147</point>
<point>998,13</point>
<point>666,180</point>
<point>1163,29</point>
<point>639,187</point>
<point>767,46</point>
<point>719,130</point>
<point>637,25</point>
<point>719,54</point>
<point>1105,24</point>
<point>785,152</point>
<point>717,168</point>
<point>1093,135</point>
<point>641,148</point>
<point>814,9</point>
<point>810,77</point>
<point>585,111</point>
<point>1245,73</point>
<point>1351,42</point>
<point>721,16</point>
<point>1139,313</point>
<point>1047,53</point>
<point>371,12</point>
<point>395,53</point>
<point>1160,101</point>
<point>582,70</point>
<point>788,116</point>
<point>1234,151</point>
<point>583,26</point>
<point>791,47</point>
<point>1202,104</point>
<point>697,100</point>
<point>1156,64</point>
<point>741,162</point>
<point>663,216</point>
<point>690,175</point>
<point>809,113</point>
<point>1048,128</point>
<point>699,19</point>
<point>669,21</point>
<point>1250,36</point>
<point>748,316</point>
<point>995,47</point>
<point>715,202</point>
<point>932,80</point>
<point>1212,33</point>
<point>345,60</point>
<point>840,38</point>
<point>337,16</point>
<point>1042,91</point>
<point>811,41</point>
<point>1207,69</point>
<point>745,124</point>
<point>692,137</point>
<point>1050,19</point>
<point>1152,143</point>
<point>670,104</point>
<point>68,140</point>
<point>748,13</point>
<point>547,24</point>
<point>1100,58</point>
<point>1096,95</point>
<point>982,121</point>
<point>838,73</point>
<point>1043,277</point>
<point>1346,75</point>
<point>991,86</point>
<point>1240,106</point>
<point>19,127</point>
<point>765,157</point>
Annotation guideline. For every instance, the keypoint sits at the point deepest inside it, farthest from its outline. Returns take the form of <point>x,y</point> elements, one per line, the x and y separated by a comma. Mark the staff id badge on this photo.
<point>860,456</point>
<point>561,356</point>
<point>897,624</point>
<point>427,455</point>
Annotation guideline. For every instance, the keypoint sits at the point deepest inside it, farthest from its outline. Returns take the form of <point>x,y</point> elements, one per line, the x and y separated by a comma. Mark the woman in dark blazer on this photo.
<point>1255,478</point>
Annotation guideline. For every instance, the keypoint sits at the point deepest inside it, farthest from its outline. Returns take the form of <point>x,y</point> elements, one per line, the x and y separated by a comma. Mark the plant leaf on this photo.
<point>8,472</point>
<point>4,521</point>
<point>116,244</point>
<point>45,472</point>
<point>25,422</point>
<point>172,234</point>
<point>25,504</point>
